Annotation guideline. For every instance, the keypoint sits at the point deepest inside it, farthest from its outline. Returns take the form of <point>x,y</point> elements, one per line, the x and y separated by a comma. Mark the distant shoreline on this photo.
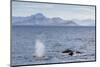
<point>46,26</point>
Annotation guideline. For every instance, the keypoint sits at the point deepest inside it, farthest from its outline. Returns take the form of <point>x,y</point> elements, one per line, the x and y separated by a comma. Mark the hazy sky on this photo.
<point>66,12</point>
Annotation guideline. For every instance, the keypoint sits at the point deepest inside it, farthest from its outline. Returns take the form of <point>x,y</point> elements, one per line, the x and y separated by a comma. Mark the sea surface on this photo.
<point>56,39</point>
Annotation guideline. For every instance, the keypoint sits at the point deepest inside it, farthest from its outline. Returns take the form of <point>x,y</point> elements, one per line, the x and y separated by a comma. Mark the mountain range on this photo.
<point>40,20</point>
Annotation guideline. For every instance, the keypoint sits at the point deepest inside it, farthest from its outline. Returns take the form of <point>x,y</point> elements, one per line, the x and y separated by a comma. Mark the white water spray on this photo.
<point>39,48</point>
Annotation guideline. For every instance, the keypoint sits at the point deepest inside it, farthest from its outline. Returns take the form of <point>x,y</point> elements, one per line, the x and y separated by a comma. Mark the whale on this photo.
<point>71,52</point>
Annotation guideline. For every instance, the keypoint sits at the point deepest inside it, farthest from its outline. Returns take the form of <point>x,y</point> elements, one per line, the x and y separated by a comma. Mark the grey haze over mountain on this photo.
<point>86,22</point>
<point>40,20</point>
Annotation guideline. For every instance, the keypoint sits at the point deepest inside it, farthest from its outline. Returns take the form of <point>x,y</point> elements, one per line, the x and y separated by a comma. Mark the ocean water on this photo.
<point>55,39</point>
